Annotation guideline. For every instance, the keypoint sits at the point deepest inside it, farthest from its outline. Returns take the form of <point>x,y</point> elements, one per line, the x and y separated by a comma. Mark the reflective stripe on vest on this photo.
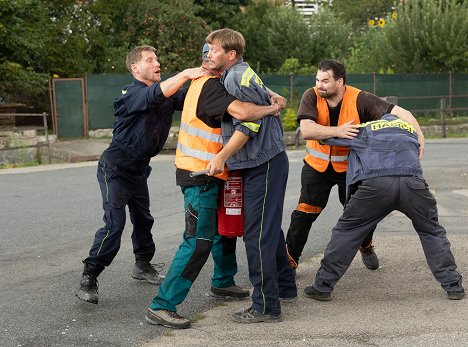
<point>201,133</point>
<point>195,153</point>
<point>324,156</point>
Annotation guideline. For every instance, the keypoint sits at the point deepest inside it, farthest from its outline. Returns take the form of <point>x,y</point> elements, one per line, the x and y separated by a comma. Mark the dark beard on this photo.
<point>327,95</point>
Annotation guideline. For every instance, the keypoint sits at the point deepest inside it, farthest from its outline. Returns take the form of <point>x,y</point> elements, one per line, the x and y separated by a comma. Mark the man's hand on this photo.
<point>277,112</point>
<point>422,144</point>
<point>196,72</point>
<point>216,165</point>
<point>347,131</point>
<point>278,99</point>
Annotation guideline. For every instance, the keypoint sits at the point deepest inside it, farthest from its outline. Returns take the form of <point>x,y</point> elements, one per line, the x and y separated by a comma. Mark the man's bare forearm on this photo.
<point>248,111</point>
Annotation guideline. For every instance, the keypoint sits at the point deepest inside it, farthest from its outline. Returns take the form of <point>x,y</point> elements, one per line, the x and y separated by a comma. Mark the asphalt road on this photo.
<point>48,220</point>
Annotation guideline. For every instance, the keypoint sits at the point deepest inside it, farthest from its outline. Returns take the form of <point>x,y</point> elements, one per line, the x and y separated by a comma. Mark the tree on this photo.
<point>273,34</point>
<point>219,13</point>
<point>172,27</point>
<point>427,36</point>
<point>22,28</point>
<point>358,12</point>
<point>332,36</point>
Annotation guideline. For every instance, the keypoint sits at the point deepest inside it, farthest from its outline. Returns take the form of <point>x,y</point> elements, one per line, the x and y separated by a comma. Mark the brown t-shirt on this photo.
<point>370,107</point>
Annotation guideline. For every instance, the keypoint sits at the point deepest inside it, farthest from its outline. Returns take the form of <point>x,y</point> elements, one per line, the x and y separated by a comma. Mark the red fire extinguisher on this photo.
<point>231,206</point>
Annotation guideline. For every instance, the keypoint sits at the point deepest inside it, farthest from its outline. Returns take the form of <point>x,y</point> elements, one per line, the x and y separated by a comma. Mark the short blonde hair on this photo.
<point>228,39</point>
<point>134,56</point>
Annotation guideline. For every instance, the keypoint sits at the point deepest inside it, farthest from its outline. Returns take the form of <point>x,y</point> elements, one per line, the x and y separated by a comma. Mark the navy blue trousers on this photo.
<point>269,270</point>
<point>119,190</point>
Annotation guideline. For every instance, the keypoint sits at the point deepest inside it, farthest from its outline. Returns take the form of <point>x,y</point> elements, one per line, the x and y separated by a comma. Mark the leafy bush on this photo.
<point>289,119</point>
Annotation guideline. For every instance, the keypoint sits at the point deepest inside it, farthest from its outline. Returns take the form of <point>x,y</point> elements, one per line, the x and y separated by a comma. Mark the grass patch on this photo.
<point>436,120</point>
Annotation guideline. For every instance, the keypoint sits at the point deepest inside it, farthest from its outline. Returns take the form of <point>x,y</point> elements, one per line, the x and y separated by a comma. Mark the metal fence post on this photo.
<point>291,82</point>
<point>442,117</point>
<point>46,133</point>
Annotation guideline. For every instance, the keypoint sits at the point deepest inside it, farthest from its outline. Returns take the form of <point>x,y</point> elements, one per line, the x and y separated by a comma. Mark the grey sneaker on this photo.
<point>369,258</point>
<point>144,270</point>
<point>312,293</point>
<point>167,318</point>
<point>234,292</point>
<point>88,289</point>
<point>250,315</point>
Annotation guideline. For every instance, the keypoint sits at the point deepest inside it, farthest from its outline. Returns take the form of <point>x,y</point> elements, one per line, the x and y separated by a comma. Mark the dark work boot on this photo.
<point>369,258</point>
<point>234,292</point>
<point>312,293</point>
<point>145,271</point>
<point>88,289</point>
<point>89,284</point>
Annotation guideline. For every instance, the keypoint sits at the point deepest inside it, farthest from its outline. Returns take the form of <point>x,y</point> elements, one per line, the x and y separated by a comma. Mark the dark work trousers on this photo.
<point>372,202</point>
<point>315,191</point>
<point>269,270</point>
<point>118,191</point>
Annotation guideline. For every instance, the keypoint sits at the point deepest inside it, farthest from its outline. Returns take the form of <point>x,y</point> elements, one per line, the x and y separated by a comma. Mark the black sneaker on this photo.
<point>250,315</point>
<point>144,270</point>
<point>369,258</point>
<point>88,289</point>
<point>167,318</point>
<point>234,292</point>
<point>456,295</point>
<point>312,293</point>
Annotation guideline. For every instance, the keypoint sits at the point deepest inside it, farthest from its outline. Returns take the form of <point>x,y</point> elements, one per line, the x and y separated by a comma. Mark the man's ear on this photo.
<point>232,55</point>
<point>135,69</point>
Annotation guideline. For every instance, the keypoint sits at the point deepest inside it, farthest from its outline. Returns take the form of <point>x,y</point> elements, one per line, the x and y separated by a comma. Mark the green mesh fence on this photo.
<point>101,91</point>
<point>419,93</point>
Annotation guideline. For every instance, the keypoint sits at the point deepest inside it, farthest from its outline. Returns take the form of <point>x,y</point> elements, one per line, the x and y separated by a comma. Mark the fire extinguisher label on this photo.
<point>233,196</point>
<point>233,211</point>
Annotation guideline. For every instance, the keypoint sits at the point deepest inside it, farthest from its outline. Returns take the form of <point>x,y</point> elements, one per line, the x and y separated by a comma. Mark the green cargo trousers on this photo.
<point>199,239</point>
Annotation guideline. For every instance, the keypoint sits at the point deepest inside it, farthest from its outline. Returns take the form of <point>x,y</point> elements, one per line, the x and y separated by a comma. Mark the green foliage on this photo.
<point>219,13</point>
<point>253,25</point>
<point>40,38</point>
<point>364,54</point>
<point>172,27</point>
<point>358,12</point>
<point>427,36</point>
<point>331,36</point>
<point>20,84</point>
<point>273,33</point>
<point>289,120</point>
<point>293,66</point>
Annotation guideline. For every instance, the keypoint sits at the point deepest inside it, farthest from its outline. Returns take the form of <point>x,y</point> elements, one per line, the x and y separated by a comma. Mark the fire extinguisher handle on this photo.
<point>199,173</point>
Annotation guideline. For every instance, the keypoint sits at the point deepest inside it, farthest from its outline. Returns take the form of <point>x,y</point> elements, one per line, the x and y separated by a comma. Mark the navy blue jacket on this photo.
<point>143,120</point>
<point>385,147</point>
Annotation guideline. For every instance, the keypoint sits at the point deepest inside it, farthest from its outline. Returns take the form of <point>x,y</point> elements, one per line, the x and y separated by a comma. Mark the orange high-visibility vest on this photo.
<point>319,155</point>
<point>198,143</point>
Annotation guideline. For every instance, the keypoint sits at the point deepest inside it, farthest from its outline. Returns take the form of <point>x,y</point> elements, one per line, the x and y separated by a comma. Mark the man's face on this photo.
<point>326,84</point>
<point>147,70</point>
<point>219,60</point>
